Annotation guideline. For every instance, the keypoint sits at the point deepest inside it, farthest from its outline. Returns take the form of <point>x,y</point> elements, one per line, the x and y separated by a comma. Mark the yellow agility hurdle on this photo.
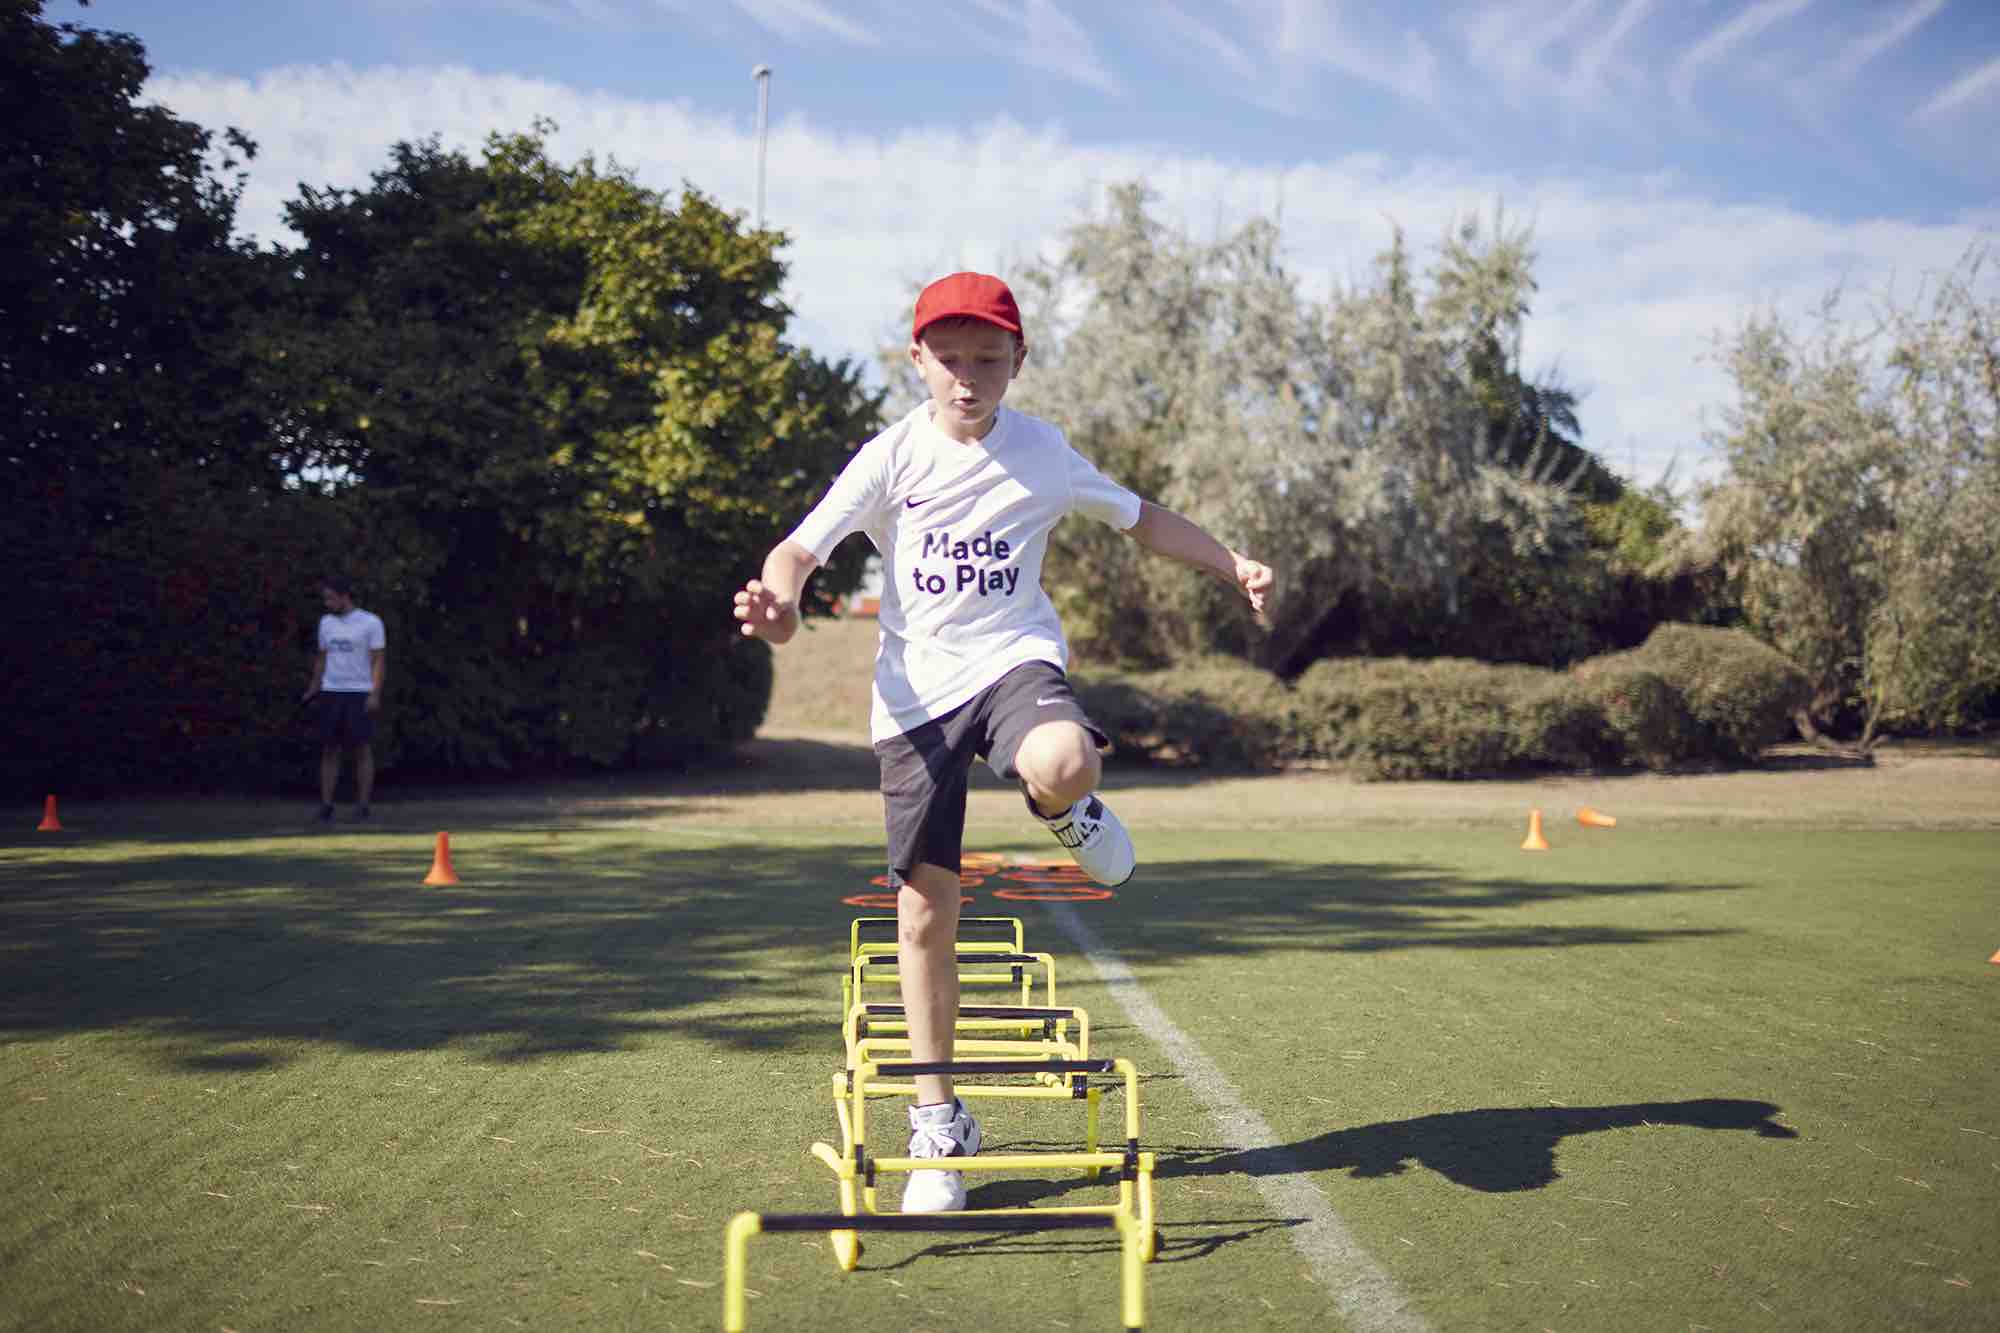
<point>743,1226</point>
<point>975,968</point>
<point>1008,934</point>
<point>1049,1043</point>
<point>1053,1043</point>
<point>1051,1022</point>
<point>1001,935</point>
<point>855,1169</point>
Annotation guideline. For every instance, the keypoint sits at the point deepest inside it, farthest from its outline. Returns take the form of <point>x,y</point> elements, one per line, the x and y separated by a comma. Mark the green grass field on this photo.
<point>1680,1074</point>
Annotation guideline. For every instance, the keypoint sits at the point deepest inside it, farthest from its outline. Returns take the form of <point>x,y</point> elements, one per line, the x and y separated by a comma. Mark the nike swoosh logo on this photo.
<point>1044,703</point>
<point>912,504</point>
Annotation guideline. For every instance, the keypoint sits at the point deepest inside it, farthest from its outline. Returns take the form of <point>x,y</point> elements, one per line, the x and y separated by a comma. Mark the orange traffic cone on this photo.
<point>49,824</point>
<point>1995,958</point>
<point>441,871</point>
<point>1590,818</point>
<point>1535,842</point>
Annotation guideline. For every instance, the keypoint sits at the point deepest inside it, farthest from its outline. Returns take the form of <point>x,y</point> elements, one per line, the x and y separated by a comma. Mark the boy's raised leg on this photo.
<point>1059,768</point>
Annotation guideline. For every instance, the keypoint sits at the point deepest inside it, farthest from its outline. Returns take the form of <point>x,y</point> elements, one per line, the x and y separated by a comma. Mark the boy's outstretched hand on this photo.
<point>765,615</point>
<point>1258,584</point>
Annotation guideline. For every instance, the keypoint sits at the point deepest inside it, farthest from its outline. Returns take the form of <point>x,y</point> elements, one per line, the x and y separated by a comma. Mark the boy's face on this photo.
<point>967,365</point>
<point>339,603</point>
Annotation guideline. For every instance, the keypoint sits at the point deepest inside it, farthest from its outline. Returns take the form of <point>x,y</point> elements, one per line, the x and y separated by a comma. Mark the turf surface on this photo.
<point>258,1078</point>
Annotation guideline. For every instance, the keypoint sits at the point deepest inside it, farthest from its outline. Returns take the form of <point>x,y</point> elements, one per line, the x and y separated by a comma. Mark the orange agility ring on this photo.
<point>884,902</point>
<point>1054,893</point>
<point>1048,873</point>
<point>967,879</point>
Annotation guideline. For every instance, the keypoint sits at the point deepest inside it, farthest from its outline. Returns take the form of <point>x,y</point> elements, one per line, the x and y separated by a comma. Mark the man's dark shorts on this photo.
<point>344,718</point>
<point>926,771</point>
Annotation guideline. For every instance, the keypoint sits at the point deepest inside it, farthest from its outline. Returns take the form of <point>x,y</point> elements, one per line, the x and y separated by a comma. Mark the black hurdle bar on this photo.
<point>912,1069</point>
<point>889,959</point>
<point>885,926</point>
<point>973,1011</point>
<point>933,1222</point>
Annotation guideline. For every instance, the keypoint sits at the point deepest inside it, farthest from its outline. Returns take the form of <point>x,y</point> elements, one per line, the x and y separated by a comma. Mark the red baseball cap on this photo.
<point>971,296</point>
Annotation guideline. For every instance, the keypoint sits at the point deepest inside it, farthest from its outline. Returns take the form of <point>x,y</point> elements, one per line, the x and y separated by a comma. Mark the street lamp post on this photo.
<point>762,74</point>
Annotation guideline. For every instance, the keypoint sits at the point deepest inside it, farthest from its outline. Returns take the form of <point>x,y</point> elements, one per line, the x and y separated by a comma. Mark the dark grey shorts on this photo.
<point>344,718</point>
<point>926,771</point>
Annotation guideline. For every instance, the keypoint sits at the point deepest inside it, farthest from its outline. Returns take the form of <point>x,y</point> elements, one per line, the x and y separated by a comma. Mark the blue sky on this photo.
<point>1684,161</point>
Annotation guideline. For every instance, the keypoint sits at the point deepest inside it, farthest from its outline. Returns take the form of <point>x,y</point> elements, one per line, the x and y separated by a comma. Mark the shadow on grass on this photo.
<point>1179,1242</point>
<point>779,767</point>
<point>1494,1151</point>
<point>1235,907</point>
<point>222,959</point>
<point>228,960</point>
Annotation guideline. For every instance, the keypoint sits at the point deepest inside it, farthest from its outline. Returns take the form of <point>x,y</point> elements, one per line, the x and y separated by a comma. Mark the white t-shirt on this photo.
<point>347,641</point>
<point>962,529</point>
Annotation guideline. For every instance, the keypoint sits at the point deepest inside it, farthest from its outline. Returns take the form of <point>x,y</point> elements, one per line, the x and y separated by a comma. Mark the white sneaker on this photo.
<point>940,1191</point>
<point>1097,839</point>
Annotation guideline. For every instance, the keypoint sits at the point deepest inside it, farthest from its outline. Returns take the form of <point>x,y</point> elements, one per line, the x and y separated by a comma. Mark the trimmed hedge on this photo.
<point>1740,693</point>
<point>1639,717</point>
<point>1216,712</point>
<point>1690,694</point>
<point>1397,718</point>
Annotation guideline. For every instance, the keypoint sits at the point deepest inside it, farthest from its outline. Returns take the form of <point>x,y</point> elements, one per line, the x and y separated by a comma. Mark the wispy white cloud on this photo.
<point>1041,35</point>
<point>548,11</point>
<point>1563,55</point>
<point>1817,94</point>
<point>1185,27</point>
<point>1637,273</point>
<point>803,18</point>
<point>1514,43</point>
<point>1003,10</point>
<point>1719,44</point>
<point>1306,36</point>
<point>1859,52</point>
<point>1060,45</point>
<point>1596,56</point>
<point>569,15</point>
<point>1967,90</point>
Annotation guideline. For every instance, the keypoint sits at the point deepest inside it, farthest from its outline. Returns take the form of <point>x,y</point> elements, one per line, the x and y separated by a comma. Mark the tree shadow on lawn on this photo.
<point>1176,910</point>
<point>537,805</point>
<point>137,823</point>
<point>219,958</point>
<point>1179,1242</point>
<point>1495,1151</point>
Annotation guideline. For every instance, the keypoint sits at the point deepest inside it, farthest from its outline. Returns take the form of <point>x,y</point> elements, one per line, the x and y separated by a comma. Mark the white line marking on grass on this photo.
<point>1366,1296</point>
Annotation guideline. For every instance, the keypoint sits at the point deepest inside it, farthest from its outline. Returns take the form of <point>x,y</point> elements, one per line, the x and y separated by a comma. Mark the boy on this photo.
<point>347,675</point>
<point>958,497</point>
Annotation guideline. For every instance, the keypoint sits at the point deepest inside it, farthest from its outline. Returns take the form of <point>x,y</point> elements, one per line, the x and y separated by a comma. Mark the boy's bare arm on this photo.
<point>769,606</point>
<point>1163,532</point>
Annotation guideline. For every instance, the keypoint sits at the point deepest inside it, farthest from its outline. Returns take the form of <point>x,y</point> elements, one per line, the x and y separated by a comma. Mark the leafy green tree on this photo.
<point>1354,446</point>
<point>546,417</point>
<point>1483,283</point>
<point>137,498</point>
<point>1934,641</point>
<point>123,285</point>
<point>563,415</point>
<point>1858,510</point>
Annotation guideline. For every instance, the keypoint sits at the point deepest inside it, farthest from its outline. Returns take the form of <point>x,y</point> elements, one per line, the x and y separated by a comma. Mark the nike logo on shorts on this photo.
<point>1044,703</point>
<point>912,504</point>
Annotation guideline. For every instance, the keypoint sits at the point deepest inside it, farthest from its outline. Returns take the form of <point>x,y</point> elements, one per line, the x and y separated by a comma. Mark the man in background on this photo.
<point>347,676</point>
